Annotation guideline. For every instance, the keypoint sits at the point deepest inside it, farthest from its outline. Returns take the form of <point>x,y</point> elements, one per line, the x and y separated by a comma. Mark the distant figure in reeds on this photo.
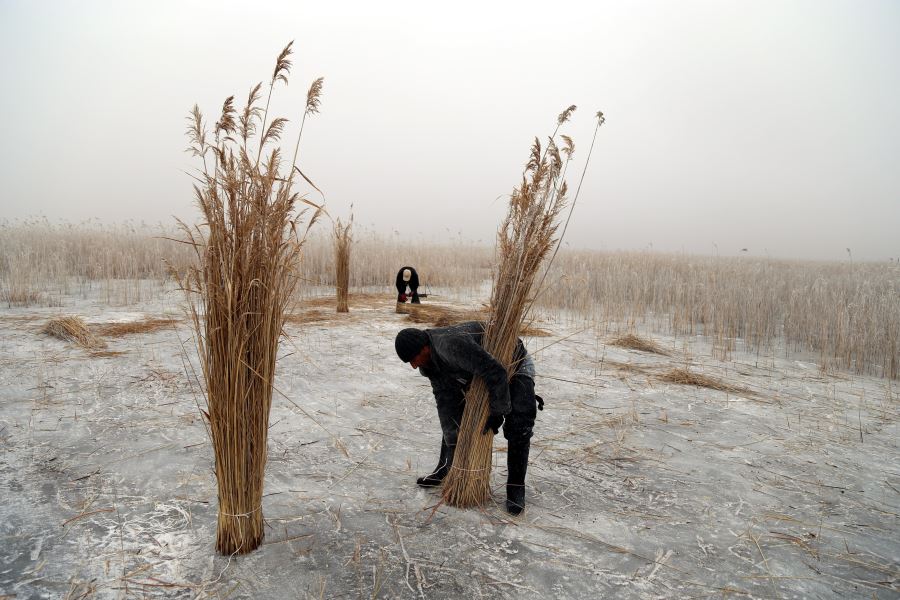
<point>451,357</point>
<point>408,278</point>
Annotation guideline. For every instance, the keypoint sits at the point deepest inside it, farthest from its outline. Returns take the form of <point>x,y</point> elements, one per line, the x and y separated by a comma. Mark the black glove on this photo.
<point>493,422</point>
<point>540,402</point>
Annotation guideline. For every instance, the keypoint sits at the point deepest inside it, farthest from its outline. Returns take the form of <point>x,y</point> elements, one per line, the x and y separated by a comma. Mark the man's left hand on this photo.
<point>493,423</point>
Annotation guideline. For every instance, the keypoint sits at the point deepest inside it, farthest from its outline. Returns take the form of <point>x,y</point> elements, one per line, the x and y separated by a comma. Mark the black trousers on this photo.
<point>518,425</point>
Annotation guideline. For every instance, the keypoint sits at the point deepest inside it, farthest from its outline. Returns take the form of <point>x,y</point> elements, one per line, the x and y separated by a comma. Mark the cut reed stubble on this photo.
<point>248,252</point>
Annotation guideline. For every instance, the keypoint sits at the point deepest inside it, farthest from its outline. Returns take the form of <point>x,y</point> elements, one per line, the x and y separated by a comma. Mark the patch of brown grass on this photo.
<point>106,353</point>
<point>442,316</point>
<point>355,301</point>
<point>635,342</point>
<point>133,327</point>
<point>72,329</point>
<point>686,377</point>
<point>309,316</point>
<point>629,367</point>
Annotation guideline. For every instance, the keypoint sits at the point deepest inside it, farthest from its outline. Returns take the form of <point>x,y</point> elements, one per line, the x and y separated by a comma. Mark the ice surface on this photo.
<point>637,489</point>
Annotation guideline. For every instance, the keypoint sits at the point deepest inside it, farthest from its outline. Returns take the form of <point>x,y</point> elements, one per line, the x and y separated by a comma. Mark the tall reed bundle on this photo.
<point>248,252</point>
<point>524,241</point>
<point>342,241</point>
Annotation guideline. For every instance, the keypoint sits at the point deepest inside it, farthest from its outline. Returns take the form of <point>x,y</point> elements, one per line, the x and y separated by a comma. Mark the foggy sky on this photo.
<point>771,126</point>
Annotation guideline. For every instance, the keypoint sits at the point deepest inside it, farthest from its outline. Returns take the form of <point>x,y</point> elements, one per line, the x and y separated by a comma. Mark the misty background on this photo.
<point>771,126</point>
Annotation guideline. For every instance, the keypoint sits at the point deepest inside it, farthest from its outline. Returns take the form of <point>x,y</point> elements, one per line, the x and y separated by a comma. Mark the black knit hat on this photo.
<point>409,343</point>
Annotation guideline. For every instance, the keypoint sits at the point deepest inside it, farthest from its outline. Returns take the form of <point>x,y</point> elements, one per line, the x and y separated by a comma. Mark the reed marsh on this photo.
<point>843,315</point>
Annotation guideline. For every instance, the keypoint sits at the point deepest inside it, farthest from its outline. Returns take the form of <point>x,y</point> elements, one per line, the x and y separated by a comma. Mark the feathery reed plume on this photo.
<point>342,241</point>
<point>312,107</point>
<point>524,241</point>
<point>248,252</point>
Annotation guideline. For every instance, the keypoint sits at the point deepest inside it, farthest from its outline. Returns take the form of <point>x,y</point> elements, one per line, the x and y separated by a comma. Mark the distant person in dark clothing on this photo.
<point>407,277</point>
<point>451,357</point>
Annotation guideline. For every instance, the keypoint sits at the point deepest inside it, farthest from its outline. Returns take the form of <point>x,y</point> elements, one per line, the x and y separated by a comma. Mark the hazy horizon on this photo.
<point>768,126</point>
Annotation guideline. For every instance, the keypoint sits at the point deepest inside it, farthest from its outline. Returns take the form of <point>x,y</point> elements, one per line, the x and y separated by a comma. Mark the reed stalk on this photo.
<point>248,252</point>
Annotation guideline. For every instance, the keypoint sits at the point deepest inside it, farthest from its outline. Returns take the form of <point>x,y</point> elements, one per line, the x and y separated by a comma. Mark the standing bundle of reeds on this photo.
<point>342,240</point>
<point>248,252</point>
<point>524,241</point>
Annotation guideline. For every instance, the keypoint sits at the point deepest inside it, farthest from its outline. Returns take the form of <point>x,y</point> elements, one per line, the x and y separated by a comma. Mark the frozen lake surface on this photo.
<point>637,488</point>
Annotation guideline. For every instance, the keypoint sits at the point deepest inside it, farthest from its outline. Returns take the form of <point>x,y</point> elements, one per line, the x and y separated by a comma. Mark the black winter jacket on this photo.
<point>457,356</point>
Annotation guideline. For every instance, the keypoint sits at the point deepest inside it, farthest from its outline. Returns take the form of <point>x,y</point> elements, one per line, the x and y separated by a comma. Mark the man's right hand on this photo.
<point>493,423</point>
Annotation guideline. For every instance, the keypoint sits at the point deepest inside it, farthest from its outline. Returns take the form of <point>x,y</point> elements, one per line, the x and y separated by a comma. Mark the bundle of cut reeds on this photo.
<point>248,252</point>
<point>342,241</point>
<point>73,329</point>
<point>525,239</point>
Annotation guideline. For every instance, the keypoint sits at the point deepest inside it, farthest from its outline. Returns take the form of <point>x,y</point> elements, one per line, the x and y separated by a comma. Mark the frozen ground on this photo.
<point>637,488</point>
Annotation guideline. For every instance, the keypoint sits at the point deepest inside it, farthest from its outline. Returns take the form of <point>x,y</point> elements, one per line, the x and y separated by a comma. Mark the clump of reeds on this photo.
<point>636,342</point>
<point>525,239</point>
<point>72,329</point>
<point>342,241</point>
<point>687,377</point>
<point>248,253</point>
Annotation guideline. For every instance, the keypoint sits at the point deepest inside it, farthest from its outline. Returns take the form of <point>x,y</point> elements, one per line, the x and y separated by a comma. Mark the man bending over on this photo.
<point>451,357</point>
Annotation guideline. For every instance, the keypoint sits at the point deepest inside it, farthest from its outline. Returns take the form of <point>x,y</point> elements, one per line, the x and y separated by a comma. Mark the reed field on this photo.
<point>844,314</point>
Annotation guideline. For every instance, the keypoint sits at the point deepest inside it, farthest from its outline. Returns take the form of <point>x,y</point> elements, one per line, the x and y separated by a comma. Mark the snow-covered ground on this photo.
<point>637,488</point>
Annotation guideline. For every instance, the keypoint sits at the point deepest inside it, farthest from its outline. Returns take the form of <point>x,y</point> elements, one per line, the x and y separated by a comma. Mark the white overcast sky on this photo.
<point>767,125</point>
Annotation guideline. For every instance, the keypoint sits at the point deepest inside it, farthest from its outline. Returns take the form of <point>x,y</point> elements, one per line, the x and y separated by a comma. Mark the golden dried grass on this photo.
<point>687,377</point>
<point>372,301</point>
<point>442,316</point>
<point>72,329</point>
<point>134,327</point>
<point>308,316</point>
<point>636,342</point>
<point>248,253</point>
<point>525,240</point>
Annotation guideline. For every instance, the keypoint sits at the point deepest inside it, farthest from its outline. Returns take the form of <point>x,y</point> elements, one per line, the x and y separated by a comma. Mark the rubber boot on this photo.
<point>517,464</point>
<point>440,471</point>
<point>415,298</point>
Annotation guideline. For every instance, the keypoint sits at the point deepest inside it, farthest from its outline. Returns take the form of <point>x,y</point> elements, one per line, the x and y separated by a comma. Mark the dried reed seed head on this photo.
<point>313,95</point>
<point>274,130</point>
<point>600,118</point>
<point>564,115</point>
<point>250,113</point>
<point>534,160</point>
<point>568,146</point>
<point>226,122</point>
<point>283,65</point>
<point>196,132</point>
